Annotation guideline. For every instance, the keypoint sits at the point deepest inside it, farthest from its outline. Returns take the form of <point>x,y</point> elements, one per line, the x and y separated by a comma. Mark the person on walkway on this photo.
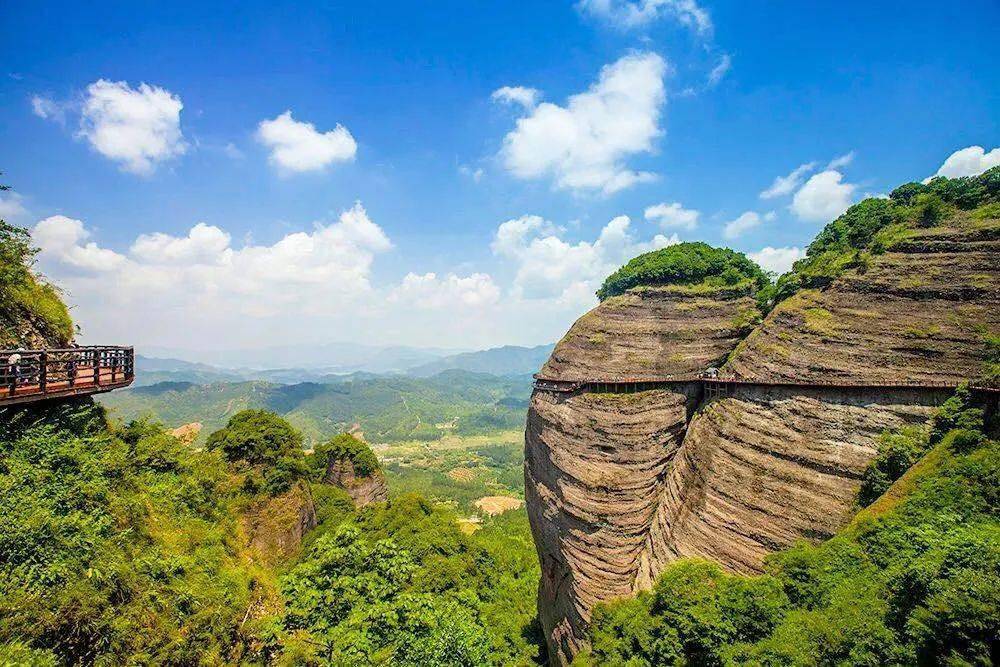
<point>14,369</point>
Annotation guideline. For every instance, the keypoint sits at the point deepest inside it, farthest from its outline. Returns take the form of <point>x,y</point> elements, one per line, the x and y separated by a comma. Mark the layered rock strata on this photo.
<point>620,485</point>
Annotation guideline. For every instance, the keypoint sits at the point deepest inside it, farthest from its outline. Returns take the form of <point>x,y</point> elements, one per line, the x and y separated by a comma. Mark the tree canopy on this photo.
<point>346,446</point>
<point>684,264</point>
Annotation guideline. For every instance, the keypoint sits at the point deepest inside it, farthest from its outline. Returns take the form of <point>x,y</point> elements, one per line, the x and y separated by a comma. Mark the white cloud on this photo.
<point>47,108</point>
<point>204,244</point>
<point>137,128</point>
<point>823,197</point>
<point>583,145</point>
<point>778,260</point>
<point>550,268</point>
<point>429,291</point>
<point>746,222</point>
<point>625,14</point>
<point>298,147</point>
<point>526,97</point>
<point>10,206</point>
<point>784,185</point>
<point>476,174</point>
<point>673,215</point>
<point>63,240</point>
<point>841,161</point>
<point>720,70</point>
<point>970,161</point>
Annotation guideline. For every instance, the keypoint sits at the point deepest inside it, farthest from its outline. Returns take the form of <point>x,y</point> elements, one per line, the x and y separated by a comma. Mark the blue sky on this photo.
<point>444,212</point>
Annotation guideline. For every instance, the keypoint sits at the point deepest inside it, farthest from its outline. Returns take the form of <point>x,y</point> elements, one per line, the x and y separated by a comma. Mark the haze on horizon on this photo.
<point>439,177</point>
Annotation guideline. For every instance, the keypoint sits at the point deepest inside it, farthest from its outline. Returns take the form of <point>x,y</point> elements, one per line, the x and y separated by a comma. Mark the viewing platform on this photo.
<point>35,375</point>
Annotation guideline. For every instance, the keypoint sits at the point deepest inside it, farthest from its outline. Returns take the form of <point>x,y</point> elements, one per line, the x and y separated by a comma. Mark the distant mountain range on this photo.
<point>385,408</point>
<point>509,360</point>
<point>506,360</point>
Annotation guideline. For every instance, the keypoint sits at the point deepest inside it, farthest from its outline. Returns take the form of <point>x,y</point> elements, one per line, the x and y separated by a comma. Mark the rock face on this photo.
<point>363,490</point>
<point>620,485</point>
<point>275,526</point>
<point>918,313</point>
<point>653,332</point>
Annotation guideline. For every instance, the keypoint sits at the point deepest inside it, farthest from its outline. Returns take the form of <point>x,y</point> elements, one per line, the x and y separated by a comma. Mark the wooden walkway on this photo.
<point>34,375</point>
<point>722,386</point>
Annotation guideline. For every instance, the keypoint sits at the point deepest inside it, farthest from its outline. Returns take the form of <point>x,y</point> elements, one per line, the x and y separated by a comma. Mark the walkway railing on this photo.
<point>32,375</point>
<point>717,385</point>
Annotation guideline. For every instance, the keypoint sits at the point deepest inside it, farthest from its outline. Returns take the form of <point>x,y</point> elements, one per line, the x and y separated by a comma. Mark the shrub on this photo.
<point>684,264</point>
<point>345,446</point>
<point>268,444</point>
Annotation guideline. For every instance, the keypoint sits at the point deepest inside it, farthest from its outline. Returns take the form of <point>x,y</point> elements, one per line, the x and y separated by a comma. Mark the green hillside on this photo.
<point>385,408</point>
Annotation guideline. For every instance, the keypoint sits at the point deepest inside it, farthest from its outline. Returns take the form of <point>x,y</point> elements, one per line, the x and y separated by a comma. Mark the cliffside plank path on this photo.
<point>721,386</point>
<point>36,375</point>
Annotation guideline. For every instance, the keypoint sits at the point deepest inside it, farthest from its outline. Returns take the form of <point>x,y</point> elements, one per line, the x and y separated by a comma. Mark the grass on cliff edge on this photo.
<point>914,579</point>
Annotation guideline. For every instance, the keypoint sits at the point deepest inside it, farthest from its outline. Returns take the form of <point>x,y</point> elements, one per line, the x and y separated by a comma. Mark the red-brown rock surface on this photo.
<point>619,485</point>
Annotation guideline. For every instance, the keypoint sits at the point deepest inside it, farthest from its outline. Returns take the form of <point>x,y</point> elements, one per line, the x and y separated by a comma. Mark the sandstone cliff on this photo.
<point>363,490</point>
<point>618,485</point>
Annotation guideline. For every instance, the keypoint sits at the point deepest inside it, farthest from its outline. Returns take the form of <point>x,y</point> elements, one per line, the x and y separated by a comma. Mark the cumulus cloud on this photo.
<point>673,216</point>
<point>302,269</point>
<point>139,128</point>
<point>823,197</point>
<point>11,206</point>
<point>583,145</point>
<point>744,223</point>
<point>549,267</point>
<point>784,185</point>
<point>430,291</point>
<point>626,14</point>
<point>65,240</point>
<point>778,260</point>
<point>526,97</point>
<point>970,161</point>
<point>297,146</point>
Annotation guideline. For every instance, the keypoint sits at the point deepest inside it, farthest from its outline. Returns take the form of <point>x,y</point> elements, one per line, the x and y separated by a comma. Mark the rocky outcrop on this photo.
<point>653,332</point>
<point>620,485</point>
<point>918,313</point>
<point>363,490</point>
<point>275,527</point>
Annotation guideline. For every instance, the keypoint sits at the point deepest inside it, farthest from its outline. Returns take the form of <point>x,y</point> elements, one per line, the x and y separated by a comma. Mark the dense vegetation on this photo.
<point>25,299</point>
<point>685,264</point>
<point>122,546</point>
<point>874,225</point>
<point>400,584</point>
<point>915,579</point>
<point>265,447</point>
<point>346,446</point>
<point>387,409</point>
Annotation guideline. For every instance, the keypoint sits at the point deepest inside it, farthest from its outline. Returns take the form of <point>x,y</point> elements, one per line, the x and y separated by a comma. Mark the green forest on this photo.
<point>386,409</point>
<point>122,545</point>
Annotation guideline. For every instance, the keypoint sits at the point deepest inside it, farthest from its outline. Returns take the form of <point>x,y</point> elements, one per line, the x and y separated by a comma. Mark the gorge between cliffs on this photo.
<point>624,479</point>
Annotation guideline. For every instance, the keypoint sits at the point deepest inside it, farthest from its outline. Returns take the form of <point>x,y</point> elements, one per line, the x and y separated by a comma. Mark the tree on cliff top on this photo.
<point>266,442</point>
<point>684,264</point>
<point>346,446</point>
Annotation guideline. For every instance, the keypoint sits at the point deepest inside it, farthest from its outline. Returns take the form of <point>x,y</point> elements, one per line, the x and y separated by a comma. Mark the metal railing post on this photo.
<point>43,370</point>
